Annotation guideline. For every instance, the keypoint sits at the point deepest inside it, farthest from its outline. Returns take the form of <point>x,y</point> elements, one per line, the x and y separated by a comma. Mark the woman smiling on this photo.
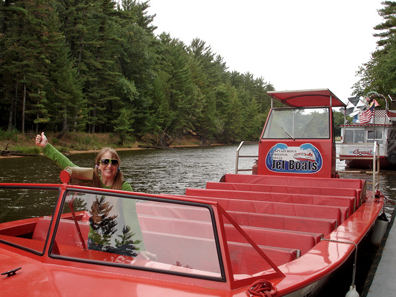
<point>107,174</point>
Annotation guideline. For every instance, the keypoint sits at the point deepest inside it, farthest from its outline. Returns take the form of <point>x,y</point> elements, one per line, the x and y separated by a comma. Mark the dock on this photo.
<point>381,280</point>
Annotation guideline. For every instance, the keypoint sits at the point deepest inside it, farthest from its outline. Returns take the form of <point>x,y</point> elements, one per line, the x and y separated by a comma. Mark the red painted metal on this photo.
<point>238,214</point>
<point>50,276</point>
<point>307,98</point>
<point>325,147</point>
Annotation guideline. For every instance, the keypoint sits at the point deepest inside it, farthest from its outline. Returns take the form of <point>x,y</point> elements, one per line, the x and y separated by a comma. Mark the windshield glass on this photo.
<point>159,235</point>
<point>19,212</point>
<point>134,231</point>
<point>298,123</point>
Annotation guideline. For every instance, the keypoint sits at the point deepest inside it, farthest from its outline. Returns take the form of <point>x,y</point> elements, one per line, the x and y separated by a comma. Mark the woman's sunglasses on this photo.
<point>114,162</point>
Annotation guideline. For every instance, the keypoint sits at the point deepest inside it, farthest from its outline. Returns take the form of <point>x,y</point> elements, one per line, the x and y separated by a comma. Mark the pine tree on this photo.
<point>12,15</point>
<point>378,74</point>
<point>137,59</point>
<point>388,27</point>
<point>174,89</point>
<point>122,125</point>
<point>101,222</point>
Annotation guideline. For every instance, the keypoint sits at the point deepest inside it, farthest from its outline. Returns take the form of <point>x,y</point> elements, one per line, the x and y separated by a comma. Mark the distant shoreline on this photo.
<point>120,149</point>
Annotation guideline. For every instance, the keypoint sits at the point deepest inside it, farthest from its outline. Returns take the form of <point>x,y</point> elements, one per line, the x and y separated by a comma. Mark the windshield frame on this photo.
<point>148,198</point>
<point>297,123</point>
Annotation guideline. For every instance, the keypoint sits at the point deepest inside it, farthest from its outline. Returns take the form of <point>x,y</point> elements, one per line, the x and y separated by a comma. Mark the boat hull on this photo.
<point>367,164</point>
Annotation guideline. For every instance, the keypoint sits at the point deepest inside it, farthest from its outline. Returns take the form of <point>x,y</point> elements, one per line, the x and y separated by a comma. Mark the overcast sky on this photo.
<point>306,44</point>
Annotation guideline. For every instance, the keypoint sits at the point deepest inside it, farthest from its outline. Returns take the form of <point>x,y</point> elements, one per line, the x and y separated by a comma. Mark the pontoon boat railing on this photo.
<point>239,156</point>
<point>375,168</point>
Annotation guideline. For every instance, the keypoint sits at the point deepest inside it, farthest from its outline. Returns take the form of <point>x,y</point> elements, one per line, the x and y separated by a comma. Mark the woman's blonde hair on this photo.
<point>118,179</point>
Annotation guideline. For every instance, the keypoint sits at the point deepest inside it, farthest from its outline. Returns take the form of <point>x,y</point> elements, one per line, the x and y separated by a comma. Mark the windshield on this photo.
<point>298,123</point>
<point>132,231</point>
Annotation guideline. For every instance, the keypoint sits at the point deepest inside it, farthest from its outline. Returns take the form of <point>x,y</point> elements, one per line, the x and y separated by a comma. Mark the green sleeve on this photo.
<point>60,159</point>
<point>126,187</point>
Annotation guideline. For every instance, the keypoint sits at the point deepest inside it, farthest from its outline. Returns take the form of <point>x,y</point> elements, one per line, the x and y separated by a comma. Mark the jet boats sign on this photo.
<point>293,159</point>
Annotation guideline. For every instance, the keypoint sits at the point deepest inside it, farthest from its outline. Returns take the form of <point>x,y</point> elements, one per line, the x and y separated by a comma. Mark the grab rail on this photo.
<point>239,156</point>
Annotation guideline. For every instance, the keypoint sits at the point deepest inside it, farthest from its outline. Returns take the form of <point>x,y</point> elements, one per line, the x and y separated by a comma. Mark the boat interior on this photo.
<point>285,216</point>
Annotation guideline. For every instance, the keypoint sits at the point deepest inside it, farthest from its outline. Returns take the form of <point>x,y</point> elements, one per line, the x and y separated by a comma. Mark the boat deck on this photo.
<point>293,213</point>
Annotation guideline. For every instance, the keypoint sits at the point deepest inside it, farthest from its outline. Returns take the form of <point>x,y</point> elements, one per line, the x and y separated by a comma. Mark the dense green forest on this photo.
<point>97,66</point>
<point>379,73</point>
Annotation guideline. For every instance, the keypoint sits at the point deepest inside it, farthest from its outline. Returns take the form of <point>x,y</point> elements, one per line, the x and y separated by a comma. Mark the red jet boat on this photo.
<point>281,232</point>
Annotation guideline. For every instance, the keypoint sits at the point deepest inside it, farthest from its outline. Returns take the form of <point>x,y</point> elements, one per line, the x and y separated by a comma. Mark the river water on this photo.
<point>171,171</point>
<point>168,171</point>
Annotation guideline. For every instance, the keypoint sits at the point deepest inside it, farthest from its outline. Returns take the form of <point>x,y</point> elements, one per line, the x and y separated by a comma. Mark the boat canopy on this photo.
<point>307,98</point>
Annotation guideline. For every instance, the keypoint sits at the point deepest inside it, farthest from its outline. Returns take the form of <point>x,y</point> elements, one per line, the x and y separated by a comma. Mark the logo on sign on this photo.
<point>303,159</point>
<point>360,152</point>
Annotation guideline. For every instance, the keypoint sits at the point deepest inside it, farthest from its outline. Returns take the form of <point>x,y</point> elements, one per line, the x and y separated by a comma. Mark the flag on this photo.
<point>365,116</point>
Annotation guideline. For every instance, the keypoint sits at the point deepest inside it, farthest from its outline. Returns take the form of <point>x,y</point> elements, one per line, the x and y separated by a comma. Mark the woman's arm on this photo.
<point>52,153</point>
<point>60,159</point>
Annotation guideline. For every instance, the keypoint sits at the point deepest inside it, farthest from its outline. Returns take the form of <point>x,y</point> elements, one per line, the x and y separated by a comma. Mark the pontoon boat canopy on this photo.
<point>307,98</point>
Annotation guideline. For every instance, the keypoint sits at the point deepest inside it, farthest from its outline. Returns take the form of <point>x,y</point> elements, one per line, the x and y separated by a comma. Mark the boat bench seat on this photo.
<point>273,220</point>
<point>66,234</point>
<point>302,190</point>
<point>21,228</point>
<point>293,223</point>
<point>294,181</point>
<point>338,213</point>
<point>297,189</point>
<point>174,211</point>
<point>67,250</point>
<point>244,258</point>
<point>302,241</point>
<point>161,243</point>
<point>37,245</point>
<point>173,249</point>
<point>337,184</point>
<point>349,202</point>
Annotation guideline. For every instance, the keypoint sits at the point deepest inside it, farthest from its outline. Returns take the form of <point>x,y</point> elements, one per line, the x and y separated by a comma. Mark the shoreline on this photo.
<point>72,152</point>
<point>139,148</point>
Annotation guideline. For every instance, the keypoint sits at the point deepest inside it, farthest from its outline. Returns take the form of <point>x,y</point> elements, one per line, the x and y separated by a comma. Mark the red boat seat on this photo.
<point>281,189</point>
<point>173,249</point>
<point>349,202</point>
<point>302,190</point>
<point>244,258</point>
<point>66,234</point>
<point>173,211</point>
<point>37,245</point>
<point>294,181</point>
<point>273,221</point>
<point>292,223</point>
<point>279,208</point>
<point>359,185</point>
<point>302,241</point>
<point>78,252</point>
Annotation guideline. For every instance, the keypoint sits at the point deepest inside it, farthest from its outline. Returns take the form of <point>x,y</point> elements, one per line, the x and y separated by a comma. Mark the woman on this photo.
<point>107,174</point>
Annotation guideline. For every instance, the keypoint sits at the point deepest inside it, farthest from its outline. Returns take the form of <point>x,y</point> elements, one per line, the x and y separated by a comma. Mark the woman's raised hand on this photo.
<point>41,140</point>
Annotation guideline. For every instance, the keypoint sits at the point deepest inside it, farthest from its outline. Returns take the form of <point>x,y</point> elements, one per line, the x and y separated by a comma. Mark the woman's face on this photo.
<point>108,171</point>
